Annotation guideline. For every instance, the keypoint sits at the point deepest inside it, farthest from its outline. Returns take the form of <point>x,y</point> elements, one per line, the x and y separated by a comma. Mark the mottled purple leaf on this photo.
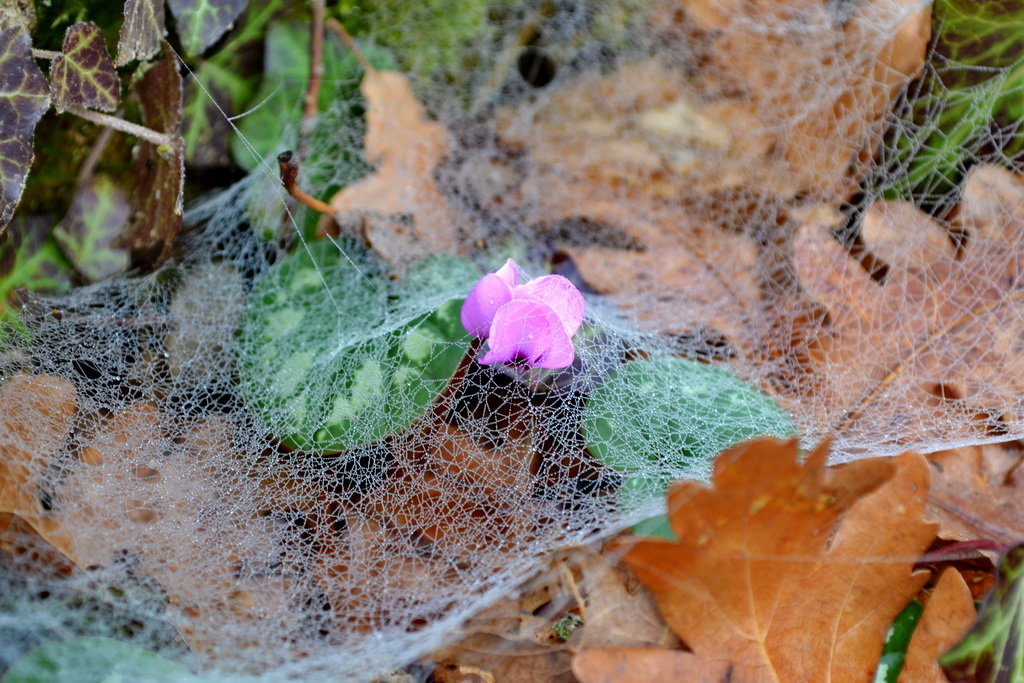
<point>201,22</point>
<point>23,101</point>
<point>84,76</point>
<point>92,228</point>
<point>160,169</point>
<point>142,30</point>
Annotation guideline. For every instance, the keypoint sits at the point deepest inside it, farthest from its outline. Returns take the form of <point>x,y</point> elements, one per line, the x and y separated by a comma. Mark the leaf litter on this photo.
<point>802,539</point>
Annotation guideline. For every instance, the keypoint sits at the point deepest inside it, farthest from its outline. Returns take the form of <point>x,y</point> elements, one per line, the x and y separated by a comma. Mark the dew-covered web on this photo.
<point>287,464</point>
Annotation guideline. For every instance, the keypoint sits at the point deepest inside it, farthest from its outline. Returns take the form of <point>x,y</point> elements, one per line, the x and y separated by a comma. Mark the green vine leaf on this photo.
<point>160,170</point>
<point>993,650</point>
<point>968,98</point>
<point>88,235</point>
<point>201,22</point>
<point>24,98</point>
<point>83,75</point>
<point>141,32</point>
<point>29,259</point>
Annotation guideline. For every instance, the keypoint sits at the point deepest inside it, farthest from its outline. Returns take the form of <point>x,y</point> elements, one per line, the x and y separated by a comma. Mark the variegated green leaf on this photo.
<point>993,650</point>
<point>89,234</point>
<point>201,22</point>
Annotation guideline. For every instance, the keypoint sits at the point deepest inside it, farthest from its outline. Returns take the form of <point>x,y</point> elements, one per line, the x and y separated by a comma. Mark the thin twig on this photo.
<point>85,171</point>
<point>338,28</point>
<point>138,131</point>
<point>574,588</point>
<point>316,71</point>
<point>45,54</point>
<point>289,168</point>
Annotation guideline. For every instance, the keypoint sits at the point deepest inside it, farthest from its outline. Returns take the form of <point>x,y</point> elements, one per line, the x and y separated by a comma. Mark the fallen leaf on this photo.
<point>977,492</point>
<point>864,53</point>
<point>947,615</point>
<point>519,638</point>
<point>135,491</point>
<point>92,227</point>
<point>160,171</point>
<point>618,665</point>
<point>990,651</point>
<point>36,415</point>
<point>620,612</point>
<point>201,22</point>
<point>24,100</point>
<point>783,568</point>
<point>142,31</point>
<point>83,75</point>
<point>930,355</point>
<point>402,212</point>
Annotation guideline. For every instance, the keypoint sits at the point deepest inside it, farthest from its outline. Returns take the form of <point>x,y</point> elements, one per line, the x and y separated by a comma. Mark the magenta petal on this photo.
<point>528,332</point>
<point>489,294</point>
<point>558,293</point>
<point>509,273</point>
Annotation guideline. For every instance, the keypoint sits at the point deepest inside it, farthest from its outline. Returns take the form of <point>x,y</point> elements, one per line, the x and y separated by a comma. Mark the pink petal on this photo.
<point>531,333</point>
<point>509,273</point>
<point>489,294</point>
<point>558,293</point>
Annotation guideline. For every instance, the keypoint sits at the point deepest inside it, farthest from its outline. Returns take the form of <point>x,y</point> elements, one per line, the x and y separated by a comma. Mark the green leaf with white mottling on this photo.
<point>83,75</point>
<point>202,22</point>
<point>24,98</point>
<point>90,232</point>
<point>679,414</point>
<point>94,660</point>
<point>332,355</point>
<point>894,650</point>
<point>993,650</point>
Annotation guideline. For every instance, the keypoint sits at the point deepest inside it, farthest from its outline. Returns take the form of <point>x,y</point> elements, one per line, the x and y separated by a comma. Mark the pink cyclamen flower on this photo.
<point>530,324</point>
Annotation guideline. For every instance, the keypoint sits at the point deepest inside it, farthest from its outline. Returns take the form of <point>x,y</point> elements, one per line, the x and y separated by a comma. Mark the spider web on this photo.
<point>717,176</point>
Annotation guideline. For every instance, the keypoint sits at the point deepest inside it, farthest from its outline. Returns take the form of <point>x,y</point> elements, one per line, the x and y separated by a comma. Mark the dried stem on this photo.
<point>316,75</point>
<point>338,28</point>
<point>95,152</point>
<point>138,131</point>
<point>45,54</point>
<point>289,167</point>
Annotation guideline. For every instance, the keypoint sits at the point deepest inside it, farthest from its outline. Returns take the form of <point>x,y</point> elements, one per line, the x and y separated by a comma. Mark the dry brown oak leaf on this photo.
<point>785,570</point>
<point>515,639</point>
<point>946,618</point>
<point>36,413</point>
<point>932,354</point>
<point>977,492</point>
<point>399,209</point>
<point>819,84</point>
